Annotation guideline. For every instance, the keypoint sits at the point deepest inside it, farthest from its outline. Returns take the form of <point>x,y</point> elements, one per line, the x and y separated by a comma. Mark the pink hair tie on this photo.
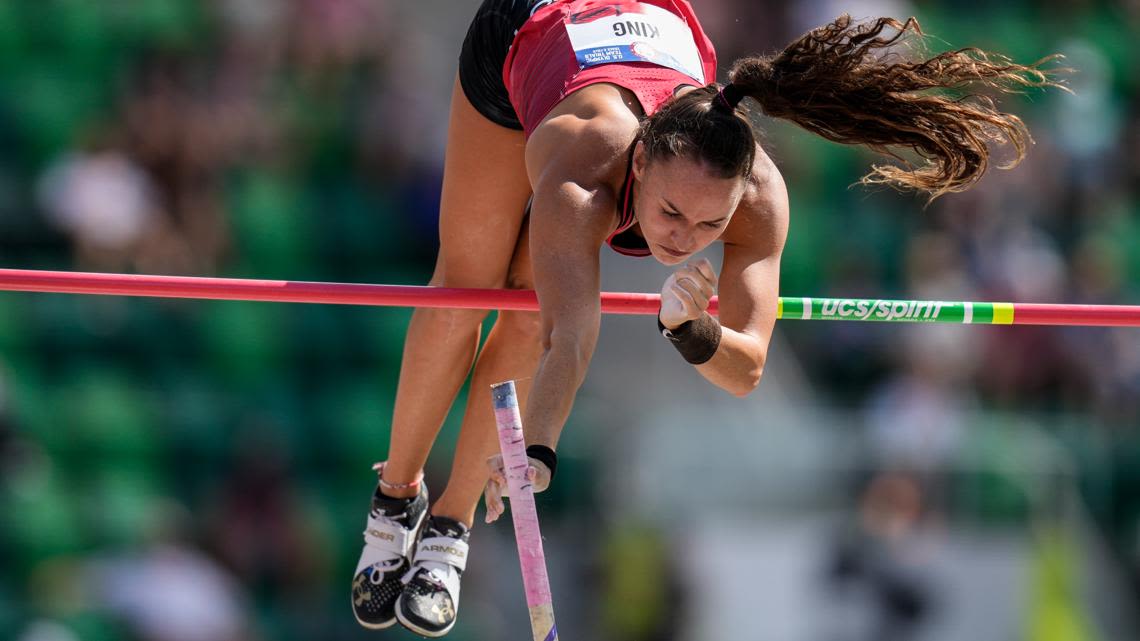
<point>413,485</point>
<point>730,96</point>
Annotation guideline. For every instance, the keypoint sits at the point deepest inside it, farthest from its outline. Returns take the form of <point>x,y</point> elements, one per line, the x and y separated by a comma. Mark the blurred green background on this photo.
<point>199,471</point>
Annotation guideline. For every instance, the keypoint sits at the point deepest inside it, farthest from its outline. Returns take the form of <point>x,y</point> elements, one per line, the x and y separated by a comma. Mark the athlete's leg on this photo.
<point>483,202</point>
<point>428,605</point>
<point>485,191</point>
<point>512,351</point>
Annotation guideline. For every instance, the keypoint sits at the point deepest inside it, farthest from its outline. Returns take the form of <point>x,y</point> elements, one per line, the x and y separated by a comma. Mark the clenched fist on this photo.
<point>686,293</point>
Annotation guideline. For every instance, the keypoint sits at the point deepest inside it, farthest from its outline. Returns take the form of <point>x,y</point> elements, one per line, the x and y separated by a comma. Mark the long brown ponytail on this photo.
<point>839,81</point>
<point>844,82</point>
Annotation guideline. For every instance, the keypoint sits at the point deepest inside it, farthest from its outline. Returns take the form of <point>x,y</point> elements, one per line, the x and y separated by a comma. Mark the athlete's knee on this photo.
<point>523,326</point>
<point>520,280</point>
<point>520,275</point>
<point>454,319</point>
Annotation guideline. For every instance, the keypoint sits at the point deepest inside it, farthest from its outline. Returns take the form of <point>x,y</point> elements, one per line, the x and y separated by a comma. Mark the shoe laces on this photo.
<point>397,519</point>
<point>381,568</point>
<point>434,573</point>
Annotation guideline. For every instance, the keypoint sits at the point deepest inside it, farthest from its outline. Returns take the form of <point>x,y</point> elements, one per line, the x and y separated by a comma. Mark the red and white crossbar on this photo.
<point>284,291</point>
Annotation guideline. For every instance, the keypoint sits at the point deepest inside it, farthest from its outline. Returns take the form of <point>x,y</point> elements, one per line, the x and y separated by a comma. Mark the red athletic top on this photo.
<point>542,68</point>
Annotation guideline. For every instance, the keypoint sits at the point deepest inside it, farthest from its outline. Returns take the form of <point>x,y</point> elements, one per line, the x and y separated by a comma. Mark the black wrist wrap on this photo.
<point>544,454</point>
<point>697,340</point>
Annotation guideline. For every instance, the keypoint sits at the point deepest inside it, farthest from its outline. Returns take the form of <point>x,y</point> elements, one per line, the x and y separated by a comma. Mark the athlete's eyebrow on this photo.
<point>677,210</point>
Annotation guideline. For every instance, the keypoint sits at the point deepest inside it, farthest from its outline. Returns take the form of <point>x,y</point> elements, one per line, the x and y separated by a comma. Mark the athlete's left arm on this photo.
<point>749,286</point>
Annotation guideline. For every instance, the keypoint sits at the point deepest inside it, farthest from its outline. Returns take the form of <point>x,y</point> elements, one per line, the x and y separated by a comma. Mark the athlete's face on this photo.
<point>681,206</point>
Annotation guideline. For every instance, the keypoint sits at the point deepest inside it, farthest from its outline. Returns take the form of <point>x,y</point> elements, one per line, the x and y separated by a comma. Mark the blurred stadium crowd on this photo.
<point>192,471</point>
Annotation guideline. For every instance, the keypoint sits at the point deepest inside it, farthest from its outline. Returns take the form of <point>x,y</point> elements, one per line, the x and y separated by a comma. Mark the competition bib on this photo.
<point>608,34</point>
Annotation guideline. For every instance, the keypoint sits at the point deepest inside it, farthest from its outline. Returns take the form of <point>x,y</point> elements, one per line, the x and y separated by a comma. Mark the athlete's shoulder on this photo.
<point>589,134</point>
<point>761,220</point>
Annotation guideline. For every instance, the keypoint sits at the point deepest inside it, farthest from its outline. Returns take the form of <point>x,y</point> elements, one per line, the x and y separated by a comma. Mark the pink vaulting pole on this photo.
<point>524,514</point>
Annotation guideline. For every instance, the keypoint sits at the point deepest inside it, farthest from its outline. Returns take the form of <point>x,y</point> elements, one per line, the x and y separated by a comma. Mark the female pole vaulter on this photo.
<point>577,124</point>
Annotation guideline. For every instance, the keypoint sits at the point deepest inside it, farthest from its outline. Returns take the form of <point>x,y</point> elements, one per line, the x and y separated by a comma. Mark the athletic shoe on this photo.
<point>430,601</point>
<point>389,538</point>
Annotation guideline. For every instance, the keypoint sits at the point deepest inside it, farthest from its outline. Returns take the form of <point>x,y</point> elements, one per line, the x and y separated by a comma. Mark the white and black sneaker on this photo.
<point>389,538</point>
<point>430,600</point>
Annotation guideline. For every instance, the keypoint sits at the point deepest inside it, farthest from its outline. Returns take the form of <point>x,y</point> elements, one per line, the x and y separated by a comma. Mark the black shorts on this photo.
<point>484,53</point>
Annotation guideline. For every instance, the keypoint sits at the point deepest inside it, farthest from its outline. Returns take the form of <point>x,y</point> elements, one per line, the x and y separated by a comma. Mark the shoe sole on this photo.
<point>417,629</point>
<point>390,622</point>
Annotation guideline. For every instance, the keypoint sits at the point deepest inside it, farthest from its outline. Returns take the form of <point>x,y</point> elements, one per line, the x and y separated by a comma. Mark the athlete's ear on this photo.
<point>640,160</point>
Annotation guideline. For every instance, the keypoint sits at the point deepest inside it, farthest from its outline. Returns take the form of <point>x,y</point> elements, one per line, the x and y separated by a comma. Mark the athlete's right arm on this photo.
<point>569,222</point>
<point>568,225</point>
<point>572,162</point>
